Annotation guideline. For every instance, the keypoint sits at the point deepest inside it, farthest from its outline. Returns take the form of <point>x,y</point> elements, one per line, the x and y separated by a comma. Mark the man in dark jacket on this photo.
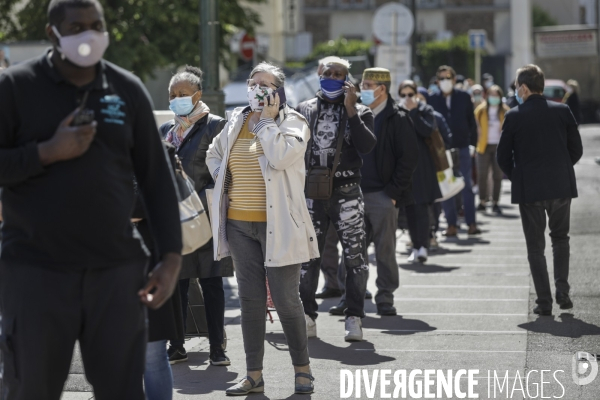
<point>386,179</point>
<point>539,145</point>
<point>337,120</point>
<point>72,266</point>
<point>456,106</point>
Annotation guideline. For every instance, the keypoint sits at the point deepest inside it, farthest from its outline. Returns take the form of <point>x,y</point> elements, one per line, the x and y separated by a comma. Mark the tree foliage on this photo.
<point>454,52</point>
<point>341,48</point>
<point>540,17</point>
<point>144,34</point>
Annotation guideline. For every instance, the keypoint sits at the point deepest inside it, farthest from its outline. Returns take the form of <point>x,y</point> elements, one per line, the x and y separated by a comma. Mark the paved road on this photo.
<point>468,308</point>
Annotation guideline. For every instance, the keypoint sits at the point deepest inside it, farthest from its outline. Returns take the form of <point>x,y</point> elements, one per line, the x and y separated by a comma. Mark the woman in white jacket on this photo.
<point>260,218</point>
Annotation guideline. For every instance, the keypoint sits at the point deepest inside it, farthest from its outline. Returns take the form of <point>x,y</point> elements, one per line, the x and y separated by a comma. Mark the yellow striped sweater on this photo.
<point>247,191</point>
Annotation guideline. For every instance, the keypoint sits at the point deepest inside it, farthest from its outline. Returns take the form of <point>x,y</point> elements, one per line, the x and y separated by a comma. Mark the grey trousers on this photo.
<point>533,216</point>
<point>485,162</point>
<point>381,218</point>
<point>247,241</point>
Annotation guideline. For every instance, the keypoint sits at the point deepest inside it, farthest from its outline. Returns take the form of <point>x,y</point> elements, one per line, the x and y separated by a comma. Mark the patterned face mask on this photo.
<point>257,96</point>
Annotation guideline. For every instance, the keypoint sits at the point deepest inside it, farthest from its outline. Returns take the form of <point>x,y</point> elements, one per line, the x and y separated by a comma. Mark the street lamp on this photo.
<point>212,94</point>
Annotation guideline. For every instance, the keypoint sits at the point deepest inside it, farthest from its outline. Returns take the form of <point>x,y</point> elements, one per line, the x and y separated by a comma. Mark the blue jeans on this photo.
<point>158,378</point>
<point>467,193</point>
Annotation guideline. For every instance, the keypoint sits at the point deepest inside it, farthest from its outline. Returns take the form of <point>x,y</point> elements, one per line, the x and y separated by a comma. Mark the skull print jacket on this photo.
<point>291,238</point>
<point>358,137</point>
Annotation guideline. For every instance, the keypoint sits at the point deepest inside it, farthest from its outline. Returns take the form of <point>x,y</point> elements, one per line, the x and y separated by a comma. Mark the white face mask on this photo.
<point>257,97</point>
<point>446,85</point>
<point>84,49</point>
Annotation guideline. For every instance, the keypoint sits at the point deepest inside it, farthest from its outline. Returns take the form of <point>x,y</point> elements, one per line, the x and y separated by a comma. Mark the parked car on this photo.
<point>555,90</point>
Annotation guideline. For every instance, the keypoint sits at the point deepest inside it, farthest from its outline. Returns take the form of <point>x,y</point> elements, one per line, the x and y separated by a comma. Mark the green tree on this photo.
<point>340,47</point>
<point>144,34</point>
<point>454,52</point>
<point>540,17</point>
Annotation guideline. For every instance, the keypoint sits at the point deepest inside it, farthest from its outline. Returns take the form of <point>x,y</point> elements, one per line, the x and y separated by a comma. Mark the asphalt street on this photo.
<point>468,308</point>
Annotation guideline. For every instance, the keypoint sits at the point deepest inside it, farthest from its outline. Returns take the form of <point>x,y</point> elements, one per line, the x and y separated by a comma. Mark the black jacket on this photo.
<point>539,145</point>
<point>426,188</point>
<point>166,323</point>
<point>460,117</point>
<point>362,138</point>
<point>192,152</point>
<point>397,154</point>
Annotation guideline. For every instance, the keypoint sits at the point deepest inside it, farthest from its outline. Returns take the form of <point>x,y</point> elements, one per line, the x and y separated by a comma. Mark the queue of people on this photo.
<point>275,179</point>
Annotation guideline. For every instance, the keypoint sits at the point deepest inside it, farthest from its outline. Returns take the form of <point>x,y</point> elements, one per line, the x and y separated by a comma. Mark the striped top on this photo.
<point>247,191</point>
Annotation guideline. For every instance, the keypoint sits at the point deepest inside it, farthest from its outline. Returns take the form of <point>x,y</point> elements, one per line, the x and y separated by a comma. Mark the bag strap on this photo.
<point>341,134</point>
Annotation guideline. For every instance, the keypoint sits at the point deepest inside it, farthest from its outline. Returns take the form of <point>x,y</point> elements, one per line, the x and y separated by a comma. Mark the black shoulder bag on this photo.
<point>319,179</point>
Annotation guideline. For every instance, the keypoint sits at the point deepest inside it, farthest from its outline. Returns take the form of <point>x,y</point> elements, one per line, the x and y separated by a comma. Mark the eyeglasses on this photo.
<point>403,95</point>
<point>252,84</point>
<point>368,86</point>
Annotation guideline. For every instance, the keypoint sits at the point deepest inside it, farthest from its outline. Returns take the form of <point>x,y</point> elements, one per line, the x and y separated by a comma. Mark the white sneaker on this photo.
<point>422,254</point>
<point>311,326</point>
<point>413,256</point>
<point>353,329</point>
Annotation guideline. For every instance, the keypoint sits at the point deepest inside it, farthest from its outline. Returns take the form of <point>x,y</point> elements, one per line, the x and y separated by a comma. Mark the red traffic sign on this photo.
<point>247,47</point>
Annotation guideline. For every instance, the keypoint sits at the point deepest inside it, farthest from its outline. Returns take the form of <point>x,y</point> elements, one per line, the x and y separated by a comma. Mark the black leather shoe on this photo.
<point>327,293</point>
<point>541,311</point>
<point>368,295</point>
<point>386,309</point>
<point>339,309</point>
<point>564,301</point>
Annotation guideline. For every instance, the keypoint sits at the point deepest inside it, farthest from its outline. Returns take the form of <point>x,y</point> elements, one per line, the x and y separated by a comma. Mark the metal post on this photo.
<point>212,94</point>
<point>478,63</point>
<point>413,41</point>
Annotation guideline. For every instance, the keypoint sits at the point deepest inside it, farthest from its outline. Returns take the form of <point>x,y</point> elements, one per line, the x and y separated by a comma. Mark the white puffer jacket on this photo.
<point>291,238</point>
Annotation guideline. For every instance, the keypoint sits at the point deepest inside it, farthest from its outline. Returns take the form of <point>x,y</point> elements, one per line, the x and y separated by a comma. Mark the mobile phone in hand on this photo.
<point>281,93</point>
<point>84,116</point>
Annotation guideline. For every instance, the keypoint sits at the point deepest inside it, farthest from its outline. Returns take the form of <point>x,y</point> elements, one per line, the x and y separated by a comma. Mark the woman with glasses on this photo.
<point>260,218</point>
<point>425,184</point>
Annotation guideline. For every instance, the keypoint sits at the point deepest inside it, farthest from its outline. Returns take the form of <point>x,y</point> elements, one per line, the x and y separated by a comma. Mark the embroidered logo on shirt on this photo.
<point>112,109</point>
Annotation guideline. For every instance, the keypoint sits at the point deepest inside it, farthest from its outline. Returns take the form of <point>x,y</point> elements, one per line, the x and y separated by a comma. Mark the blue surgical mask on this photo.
<point>519,98</point>
<point>493,100</point>
<point>367,96</point>
<point>332,88</point>
<point>182,106</point>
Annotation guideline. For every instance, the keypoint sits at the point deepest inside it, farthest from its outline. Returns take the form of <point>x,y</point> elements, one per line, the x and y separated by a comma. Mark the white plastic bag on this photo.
<point>450,185</point>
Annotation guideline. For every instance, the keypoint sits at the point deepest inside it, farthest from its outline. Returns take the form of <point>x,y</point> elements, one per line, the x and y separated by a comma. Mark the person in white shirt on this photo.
<point>489,116</point>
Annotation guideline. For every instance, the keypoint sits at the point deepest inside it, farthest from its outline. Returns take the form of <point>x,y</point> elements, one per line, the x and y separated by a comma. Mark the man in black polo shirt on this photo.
<point>72,267</point>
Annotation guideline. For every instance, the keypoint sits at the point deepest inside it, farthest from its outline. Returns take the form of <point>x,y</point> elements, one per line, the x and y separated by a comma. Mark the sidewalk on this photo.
<point>469,307</point>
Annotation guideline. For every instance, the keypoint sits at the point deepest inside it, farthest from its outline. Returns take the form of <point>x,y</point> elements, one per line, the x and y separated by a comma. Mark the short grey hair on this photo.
<point>271,69</point>
<point>190,74</point>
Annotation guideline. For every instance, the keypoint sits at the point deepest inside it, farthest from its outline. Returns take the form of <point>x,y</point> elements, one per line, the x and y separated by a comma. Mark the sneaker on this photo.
<point>422,254</point>
<point>481,207</point>
<point>496,209</point>
<point>217,356</point>
<point>413,256</point>
<point>353,329</point>
<point>176,355</point>
<point>311,326</point>
<point>339,309</point>
<point>433,244</point>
